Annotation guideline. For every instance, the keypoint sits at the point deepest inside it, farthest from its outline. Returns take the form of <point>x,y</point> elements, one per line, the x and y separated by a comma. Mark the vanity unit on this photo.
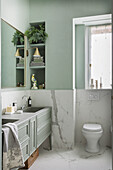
<point>34,127</point>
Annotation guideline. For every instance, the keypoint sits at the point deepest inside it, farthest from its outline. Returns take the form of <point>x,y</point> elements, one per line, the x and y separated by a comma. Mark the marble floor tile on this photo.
<point>76,159</point>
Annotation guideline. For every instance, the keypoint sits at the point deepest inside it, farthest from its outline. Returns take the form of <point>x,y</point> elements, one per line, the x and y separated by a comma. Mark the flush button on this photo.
<point>93,96</point>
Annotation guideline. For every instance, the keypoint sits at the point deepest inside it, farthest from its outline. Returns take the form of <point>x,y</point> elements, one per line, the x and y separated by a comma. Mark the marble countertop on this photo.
<point>21,118</point>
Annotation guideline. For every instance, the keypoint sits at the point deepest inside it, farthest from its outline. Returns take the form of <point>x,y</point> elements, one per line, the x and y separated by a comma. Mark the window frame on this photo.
<point>88,48</point>
<point>87,21</point>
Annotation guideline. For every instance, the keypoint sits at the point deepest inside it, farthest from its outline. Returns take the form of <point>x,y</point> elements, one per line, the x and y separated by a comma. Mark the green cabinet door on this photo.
<point>24,138</point>
<point>43,126</point>
<point>32,134</point>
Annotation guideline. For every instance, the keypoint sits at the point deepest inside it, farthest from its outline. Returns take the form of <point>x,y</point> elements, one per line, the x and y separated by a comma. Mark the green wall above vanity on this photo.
<point>80,57</point>
<point>8,61</point>
<point>58,16</point>
<point>16,13</point>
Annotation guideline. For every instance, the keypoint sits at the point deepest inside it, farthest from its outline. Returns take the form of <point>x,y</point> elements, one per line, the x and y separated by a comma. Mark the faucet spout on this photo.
<point>24,96</point>
<point>24,104</point>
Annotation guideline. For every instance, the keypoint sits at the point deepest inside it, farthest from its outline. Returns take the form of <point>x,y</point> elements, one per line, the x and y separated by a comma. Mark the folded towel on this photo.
<point>12,152</point>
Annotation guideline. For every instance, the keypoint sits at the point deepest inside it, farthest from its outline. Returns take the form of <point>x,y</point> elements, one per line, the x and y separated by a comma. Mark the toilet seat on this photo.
<point>92,127</point>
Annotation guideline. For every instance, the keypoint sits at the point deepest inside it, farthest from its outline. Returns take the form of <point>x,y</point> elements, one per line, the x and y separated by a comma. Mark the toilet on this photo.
<point>92,133</point>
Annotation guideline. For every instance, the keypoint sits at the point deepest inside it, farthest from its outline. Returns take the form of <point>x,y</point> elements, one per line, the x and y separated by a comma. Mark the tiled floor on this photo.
<point>76,159</point>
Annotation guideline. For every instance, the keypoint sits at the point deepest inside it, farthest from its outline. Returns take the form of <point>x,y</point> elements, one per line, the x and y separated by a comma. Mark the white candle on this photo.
<point>101,80</point>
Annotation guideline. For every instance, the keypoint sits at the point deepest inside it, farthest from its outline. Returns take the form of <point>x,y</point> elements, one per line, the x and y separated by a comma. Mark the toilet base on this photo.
<point>92,133</point>
<point>92,149</point>
<point>92,138</point>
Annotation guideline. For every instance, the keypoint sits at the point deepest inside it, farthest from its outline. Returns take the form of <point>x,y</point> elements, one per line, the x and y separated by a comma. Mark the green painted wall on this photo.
<point>80,57</point>
<point>58,16</point>
<point>16,13</point>
<point>8,60</point>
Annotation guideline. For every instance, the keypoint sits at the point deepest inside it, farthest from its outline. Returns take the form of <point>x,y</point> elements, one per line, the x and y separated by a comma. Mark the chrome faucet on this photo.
<point>25,103</point>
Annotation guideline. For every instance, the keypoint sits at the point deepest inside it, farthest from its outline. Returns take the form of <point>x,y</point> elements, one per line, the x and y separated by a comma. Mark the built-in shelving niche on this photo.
<point>39,71</point>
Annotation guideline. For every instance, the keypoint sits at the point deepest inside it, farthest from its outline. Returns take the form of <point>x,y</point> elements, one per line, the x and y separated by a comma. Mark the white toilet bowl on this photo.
<point>92,133</point>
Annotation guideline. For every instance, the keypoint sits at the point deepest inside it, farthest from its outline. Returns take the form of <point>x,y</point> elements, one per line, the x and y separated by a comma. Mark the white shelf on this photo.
<point>37,67</point>
<point>37,45</point>
<point>20,46</point>
<point>19,68</point>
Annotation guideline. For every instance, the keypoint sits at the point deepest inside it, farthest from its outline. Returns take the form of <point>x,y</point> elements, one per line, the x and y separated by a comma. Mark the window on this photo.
<point>92,52</point>
<point>100,56</point>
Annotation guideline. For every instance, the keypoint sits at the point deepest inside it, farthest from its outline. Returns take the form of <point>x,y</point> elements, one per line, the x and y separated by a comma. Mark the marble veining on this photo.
<point>62,114</point>
<point>55,108</point>
<point>63,121</point>
<point>76,159</point>
<point>8,97</point>
<point>94,112</point>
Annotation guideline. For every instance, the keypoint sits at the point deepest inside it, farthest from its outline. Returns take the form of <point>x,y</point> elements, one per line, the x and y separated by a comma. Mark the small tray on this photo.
<point>9,113</point>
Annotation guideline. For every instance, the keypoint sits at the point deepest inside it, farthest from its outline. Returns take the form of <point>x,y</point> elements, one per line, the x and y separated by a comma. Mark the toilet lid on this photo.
<point>92,127</point>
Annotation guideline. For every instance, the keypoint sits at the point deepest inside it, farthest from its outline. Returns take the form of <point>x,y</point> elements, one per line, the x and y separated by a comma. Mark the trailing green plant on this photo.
<point>36,34</point>
<point>18,38</point>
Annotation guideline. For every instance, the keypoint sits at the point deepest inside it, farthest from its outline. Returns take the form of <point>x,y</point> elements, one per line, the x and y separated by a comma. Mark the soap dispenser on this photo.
<point>29,101</point>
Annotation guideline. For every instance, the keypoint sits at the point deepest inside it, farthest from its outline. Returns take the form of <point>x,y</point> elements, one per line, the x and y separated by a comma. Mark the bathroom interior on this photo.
<point>57,94</point>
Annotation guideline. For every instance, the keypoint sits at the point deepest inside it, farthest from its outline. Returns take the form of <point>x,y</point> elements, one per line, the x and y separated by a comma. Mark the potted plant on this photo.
<point>36,34</point>
<point>18,38</point>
